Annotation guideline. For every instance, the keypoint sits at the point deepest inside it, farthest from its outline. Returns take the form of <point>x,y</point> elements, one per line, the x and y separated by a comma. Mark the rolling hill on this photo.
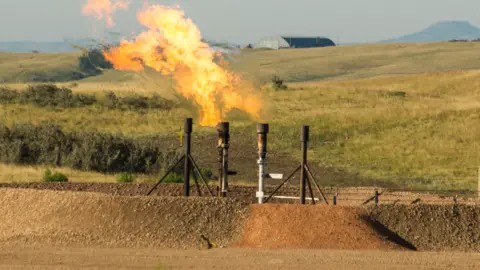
<point>441,31</point>
<point>396,114</point>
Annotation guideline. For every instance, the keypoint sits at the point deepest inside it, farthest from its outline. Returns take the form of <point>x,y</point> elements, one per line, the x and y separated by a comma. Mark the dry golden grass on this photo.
<point>429,135</point>
<point>14,67</point>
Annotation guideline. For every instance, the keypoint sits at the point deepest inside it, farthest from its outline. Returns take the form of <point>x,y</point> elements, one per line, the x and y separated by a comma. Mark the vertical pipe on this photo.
<point>262,130</point>
<point>224,137</point>
<point>186,172</point>
<point>220,165</point>
<point>303,183</point>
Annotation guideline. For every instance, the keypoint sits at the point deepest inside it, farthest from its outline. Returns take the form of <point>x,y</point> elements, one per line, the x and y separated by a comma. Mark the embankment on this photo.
<point>90,219</point>
<point>101,220</point>
<point>433,227</point>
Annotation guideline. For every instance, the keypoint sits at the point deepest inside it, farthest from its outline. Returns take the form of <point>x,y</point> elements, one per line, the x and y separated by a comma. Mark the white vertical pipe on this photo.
<point>261,179</point>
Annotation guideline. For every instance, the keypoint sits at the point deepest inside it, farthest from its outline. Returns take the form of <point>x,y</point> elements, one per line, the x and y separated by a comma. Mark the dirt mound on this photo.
<point>90,219</point>
<point>310,226</point>
<point>433,227</point>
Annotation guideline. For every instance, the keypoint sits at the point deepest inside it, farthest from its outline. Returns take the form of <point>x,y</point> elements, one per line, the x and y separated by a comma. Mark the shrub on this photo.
<point>92,62</point>
<point>393,93</point>
<point>56,177</point>
<point>173,178</point>
<point>50,95</point>
<point>207,174</point>
<point>8,96</point>
<point>136,102</point>
<point>126,178</point>
<point>49,145</point>
<point>277,83</point>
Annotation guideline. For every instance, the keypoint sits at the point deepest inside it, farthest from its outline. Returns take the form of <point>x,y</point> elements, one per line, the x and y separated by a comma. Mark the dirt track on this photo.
<point>97,258</point>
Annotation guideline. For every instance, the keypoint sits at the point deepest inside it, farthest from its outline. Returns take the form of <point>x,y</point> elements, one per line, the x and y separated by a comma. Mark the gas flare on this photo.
<point>104,9</point>
<point>173,46</point>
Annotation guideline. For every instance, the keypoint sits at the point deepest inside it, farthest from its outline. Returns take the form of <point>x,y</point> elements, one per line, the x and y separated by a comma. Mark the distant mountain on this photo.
<point>441,31</point>
<point>66,46</point>
<point>29,46</point>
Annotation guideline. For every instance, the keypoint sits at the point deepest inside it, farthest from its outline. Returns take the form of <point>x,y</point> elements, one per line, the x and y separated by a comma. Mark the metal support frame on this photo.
<point>306,176</point>
<point>188,163</point>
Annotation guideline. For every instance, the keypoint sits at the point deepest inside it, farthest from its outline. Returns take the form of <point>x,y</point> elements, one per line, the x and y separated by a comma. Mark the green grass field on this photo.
<point>405,114</point>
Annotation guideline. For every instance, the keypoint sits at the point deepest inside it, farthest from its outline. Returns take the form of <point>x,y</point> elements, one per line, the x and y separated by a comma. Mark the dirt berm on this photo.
<point>311,226</point>
<point>432,227</point>
<point>91,219</point>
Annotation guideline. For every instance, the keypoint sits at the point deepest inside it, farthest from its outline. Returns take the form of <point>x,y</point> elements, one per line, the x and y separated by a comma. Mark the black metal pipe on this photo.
<point>186,171</point>
<point>303,183</point>
<point>223,129</point>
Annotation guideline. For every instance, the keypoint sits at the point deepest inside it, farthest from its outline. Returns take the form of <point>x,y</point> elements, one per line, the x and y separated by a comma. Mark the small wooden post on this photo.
<point>376,197</point>
<point>335,199</point>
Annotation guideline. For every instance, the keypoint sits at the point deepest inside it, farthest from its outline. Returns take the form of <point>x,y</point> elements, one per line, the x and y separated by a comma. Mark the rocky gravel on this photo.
<point>433,227</point>
<point>89,219</point>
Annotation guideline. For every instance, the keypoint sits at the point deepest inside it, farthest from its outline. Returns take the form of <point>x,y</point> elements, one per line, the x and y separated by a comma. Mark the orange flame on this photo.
<point>103,9</point>
<point>173,46</point>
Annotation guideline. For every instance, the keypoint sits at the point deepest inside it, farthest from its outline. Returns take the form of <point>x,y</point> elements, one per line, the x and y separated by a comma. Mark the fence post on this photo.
<point>335,199</point>
<point>376,197</point>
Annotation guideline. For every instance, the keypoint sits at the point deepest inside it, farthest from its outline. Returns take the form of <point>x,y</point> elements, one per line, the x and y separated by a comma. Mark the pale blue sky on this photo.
<point>243,21</point>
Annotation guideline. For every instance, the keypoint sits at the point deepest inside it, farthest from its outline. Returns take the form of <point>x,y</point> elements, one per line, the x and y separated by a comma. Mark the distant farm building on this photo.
<point>280,42</point>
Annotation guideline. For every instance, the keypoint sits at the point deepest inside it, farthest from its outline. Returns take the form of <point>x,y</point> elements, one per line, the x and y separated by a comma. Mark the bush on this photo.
<point>207,174</point>
<point>277,83</point>
<point>50,95</point>
<point>136,102</point>
<point>126,178</point>
<point>56,177</point>
<point>92,62</point>
<point>8,96</point>
<point>173,178</point>
<point>49,145</point>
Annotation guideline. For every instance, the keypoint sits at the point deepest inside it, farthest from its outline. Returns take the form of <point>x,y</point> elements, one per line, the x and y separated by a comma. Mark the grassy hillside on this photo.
<point>294,65</point>
<point>24,67</point>
<point>366,118</point>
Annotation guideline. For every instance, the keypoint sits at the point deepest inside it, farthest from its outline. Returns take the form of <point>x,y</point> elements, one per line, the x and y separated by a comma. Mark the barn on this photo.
<point>279,42</point>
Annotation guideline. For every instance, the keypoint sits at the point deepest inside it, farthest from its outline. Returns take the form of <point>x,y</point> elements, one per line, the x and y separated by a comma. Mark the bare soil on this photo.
<point>311,226</point>
<point>86,218</point>
<point>25,257</point>
<point>90,219</point>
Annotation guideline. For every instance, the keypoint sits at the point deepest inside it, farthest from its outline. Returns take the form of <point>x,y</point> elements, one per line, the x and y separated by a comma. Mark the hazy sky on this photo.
<point>243,21</point>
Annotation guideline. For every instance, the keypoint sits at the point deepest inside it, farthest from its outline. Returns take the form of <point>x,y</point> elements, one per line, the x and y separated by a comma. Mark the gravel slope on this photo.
<point>89,219</point>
